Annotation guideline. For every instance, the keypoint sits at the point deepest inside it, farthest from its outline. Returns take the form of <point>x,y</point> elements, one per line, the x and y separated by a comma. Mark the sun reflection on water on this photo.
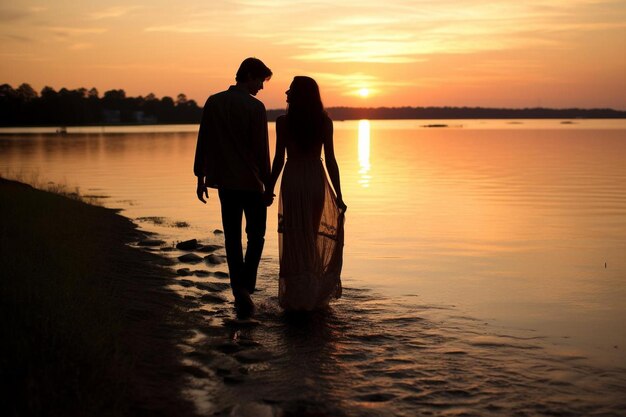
<point>364,153</point>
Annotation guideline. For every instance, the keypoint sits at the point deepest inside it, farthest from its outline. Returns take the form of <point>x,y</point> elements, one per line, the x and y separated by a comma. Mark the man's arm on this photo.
<point>201,158</point>
<point>262,145</point>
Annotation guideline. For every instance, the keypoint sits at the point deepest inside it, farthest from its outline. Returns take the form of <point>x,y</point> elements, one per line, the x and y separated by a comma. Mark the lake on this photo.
<point>484,230</point>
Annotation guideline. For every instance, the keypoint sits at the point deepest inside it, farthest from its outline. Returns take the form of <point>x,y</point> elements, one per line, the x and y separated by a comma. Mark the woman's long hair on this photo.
<point>305,112</point>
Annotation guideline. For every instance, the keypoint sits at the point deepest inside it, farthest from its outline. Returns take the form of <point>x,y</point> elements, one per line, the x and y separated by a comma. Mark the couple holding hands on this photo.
<point>232,155</point>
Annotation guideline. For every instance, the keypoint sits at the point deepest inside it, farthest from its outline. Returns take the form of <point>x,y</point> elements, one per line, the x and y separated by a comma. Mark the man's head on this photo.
<point>252,74</point>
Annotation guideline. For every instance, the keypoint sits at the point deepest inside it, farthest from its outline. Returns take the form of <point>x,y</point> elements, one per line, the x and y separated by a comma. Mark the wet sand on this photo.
<point>88,325</point>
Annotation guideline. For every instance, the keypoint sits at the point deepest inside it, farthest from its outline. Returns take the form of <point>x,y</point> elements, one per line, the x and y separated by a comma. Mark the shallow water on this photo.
<point>372,355</point>
<point>474,266</point>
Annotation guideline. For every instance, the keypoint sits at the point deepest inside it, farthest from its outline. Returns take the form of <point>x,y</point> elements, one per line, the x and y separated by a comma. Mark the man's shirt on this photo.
<point>233,150</point>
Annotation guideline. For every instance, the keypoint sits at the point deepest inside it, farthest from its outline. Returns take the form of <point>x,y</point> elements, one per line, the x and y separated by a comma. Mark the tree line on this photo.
<point>23,106</point>
<point>354,113</point>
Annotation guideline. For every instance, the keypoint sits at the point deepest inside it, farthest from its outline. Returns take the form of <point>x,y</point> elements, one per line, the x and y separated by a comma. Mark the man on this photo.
<point>232,155</point>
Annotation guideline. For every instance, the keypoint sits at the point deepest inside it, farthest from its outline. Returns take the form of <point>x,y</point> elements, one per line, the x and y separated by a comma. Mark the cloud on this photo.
<point>113,12</point>
<point>400,31</point>
<point>149,67</point>
<point>350,83</point>
<point>186,28</point>
<point>406,32</point>
<point>18,38</point>
<point>11,15</point>
<point>70,31</point>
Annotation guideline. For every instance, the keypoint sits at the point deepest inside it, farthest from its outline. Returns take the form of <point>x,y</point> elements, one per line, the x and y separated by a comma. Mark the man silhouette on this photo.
<point>232,155</point>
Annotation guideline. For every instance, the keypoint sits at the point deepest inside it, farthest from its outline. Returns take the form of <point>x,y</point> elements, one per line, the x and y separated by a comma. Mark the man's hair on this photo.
<point>253,68</point>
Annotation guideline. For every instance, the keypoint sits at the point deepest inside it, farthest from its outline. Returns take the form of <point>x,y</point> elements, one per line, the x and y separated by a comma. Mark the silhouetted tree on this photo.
<point>9,105</point>
<point>26,93</point>
<point>166,110</point>
<point>48,92</point>
<point>24,107</point>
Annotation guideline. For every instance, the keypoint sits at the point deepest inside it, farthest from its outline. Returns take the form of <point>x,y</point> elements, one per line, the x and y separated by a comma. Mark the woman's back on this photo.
<point>310,213</point>
<point>297,143</point>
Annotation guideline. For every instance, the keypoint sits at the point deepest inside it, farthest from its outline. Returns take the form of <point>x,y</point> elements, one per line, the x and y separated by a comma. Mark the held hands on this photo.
<point>202,190</point>
<point>268,197</point>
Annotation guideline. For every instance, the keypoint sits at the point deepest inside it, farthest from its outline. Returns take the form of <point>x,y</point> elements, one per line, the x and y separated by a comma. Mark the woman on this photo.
<point>310,215</point>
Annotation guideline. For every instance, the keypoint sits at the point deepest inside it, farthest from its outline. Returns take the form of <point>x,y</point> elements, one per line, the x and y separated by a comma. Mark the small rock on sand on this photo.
<point>187,244</point>
<point>191,258</point>
<point>150,242</point>
<point>208,248</point>
<point>225,365</point>
<point>203,356</point>
<point>214,259</point>
<point>253,356</point>
<point>218,231</point>
<point>183,272</point>
<point>220,274</point>
<point>186,283</point>
<point>213,286</point>
<point>379,397</point>
<point>167,248</point>
<point>195,371</point>
<point>201,273</point>
<point>234,380</point>
<point>228,347</point>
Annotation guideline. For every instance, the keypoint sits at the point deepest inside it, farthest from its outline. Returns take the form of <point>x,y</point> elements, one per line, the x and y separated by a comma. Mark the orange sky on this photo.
<point>558,53</point>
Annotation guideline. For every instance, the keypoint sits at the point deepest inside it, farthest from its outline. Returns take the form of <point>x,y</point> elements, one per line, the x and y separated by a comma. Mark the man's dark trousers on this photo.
<point>235,204</point>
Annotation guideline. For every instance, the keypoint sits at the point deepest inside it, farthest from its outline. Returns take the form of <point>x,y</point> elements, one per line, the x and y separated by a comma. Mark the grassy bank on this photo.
<point>87,325</point>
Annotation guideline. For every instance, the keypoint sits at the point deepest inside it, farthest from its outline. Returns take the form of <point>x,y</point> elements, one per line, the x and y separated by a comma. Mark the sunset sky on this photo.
<point>558,53</point>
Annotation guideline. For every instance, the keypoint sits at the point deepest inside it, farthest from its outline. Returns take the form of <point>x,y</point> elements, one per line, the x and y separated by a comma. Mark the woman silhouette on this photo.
<point>310,214</point>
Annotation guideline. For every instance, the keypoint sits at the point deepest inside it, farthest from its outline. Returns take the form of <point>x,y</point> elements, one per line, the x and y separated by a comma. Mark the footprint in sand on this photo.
<point>213,299</point>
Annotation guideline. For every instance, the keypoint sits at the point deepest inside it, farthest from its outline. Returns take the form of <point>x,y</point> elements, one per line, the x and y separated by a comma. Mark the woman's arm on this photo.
<point>331,163</point>
<point>279,160</point>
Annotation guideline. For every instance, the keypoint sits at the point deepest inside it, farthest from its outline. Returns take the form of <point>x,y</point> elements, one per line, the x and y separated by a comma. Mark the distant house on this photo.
<point>142,118</point>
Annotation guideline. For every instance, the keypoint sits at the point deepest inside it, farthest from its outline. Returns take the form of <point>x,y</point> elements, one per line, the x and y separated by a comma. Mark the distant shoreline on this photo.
<point>464,113</point>
<point>380,113</point>
<point>54,126</point>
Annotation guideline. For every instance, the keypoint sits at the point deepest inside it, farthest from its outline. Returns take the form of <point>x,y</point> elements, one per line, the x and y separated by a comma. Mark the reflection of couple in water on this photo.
<point>232,155</point>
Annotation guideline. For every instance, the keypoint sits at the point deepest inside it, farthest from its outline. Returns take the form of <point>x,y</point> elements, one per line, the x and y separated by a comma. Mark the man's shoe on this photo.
<point>244,305</point>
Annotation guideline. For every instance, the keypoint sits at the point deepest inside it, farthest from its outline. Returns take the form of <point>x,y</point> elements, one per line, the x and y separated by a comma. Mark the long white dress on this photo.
<point>311,235</point>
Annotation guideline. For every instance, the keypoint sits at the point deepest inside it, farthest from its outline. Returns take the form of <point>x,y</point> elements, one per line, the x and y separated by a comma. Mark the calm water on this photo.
<point>484,263</point>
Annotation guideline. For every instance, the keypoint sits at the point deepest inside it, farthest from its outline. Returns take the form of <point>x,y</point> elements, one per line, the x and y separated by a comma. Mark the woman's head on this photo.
<point>304,92</point>
<point>305,111</point>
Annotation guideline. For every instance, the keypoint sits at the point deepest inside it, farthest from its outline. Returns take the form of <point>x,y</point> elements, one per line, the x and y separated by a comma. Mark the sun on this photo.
<point>364,92</point>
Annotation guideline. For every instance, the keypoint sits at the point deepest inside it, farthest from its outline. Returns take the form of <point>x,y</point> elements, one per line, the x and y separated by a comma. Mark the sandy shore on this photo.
<point>88,324</point>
